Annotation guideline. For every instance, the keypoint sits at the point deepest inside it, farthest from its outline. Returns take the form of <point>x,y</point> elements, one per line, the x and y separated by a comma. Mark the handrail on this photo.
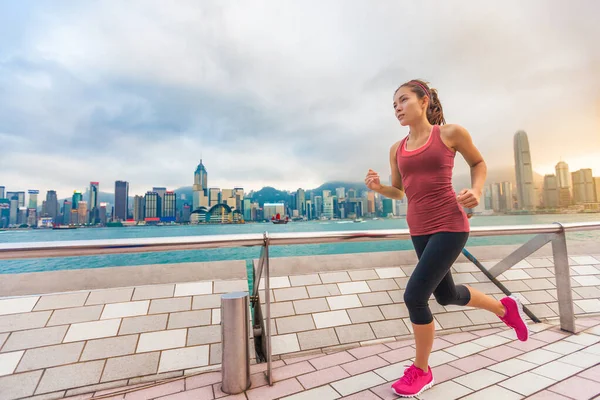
<point>157,244</point>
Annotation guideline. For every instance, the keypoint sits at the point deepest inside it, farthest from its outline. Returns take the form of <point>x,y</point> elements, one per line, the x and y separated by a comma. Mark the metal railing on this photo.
<point>545,233</point>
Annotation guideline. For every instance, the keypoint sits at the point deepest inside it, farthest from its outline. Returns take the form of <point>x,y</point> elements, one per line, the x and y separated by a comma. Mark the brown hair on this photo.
<point>435,113</point>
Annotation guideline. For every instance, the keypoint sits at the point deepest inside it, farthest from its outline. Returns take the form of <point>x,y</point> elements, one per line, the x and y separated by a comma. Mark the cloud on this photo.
<point>281,94</point>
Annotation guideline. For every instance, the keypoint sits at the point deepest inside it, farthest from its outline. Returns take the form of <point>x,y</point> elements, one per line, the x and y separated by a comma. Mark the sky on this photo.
<point>285,94</point>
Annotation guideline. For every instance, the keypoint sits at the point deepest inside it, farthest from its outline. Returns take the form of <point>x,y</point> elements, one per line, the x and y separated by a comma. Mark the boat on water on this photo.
<point>276,219</point>
<point>358,220</point>
<point>60,227</point>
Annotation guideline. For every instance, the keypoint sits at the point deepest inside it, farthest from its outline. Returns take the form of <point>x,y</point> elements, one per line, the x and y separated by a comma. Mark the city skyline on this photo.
<point>84,97</point>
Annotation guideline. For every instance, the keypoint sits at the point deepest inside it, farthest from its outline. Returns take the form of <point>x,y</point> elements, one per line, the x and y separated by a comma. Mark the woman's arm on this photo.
<point>396,191</point>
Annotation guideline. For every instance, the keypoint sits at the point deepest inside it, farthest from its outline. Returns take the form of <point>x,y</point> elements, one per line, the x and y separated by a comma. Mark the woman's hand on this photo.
<point>469,198</point>
<point>372,181</point>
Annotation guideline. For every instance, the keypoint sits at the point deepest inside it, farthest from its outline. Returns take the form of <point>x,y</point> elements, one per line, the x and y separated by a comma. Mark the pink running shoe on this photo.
<point>514,317</point>
<point>414,382</point>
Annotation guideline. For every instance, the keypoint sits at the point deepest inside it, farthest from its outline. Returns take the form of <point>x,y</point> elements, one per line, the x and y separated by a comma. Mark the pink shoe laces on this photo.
<point>410,375</point>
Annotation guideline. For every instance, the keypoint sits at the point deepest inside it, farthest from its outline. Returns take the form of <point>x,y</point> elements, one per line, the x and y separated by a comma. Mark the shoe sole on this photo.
<point>521,315</point>
<point>428,386</point>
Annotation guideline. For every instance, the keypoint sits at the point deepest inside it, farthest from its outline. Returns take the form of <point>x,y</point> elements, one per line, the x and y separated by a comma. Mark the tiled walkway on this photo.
<point>486,364</point>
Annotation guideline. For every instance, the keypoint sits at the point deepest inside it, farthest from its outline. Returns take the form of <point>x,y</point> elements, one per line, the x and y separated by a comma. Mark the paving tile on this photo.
<point>460,279</point>
<point>241,285</point>
<point>540,262</point>
<point>547,395</point>
<point>90,389</point>
<point>216,316</point>
<point>472,363</point>
<point>516,286</point>
<point>153,292</point>
<point>70,376</point>
<point>357,383</point>
<point>465,267</point>
<point>292,370</point>
<point>321,393</point>
<point>108,296</point>
<point>393,327</point>
<point>549,336</point>
<point>393,272</point>
<point>184,358</point>
<point>494,393</point>
<point>538,296</point>
<point>440,357</point>
<point>188,319</point>
<point>440,344</point>
<point>380,285</point>
<point>49,396</point>
<point>281,344</point>
<point>75,315</point>
<point>478,380</point>
<point>445,372</point>
<point>392,372</point>
<point>592,373</point>
<point>375,299</point>
<point>354,333</point>
<point>278,390</point>
<point>480,317</point>
<point>209,378</point>
<point>557,370</point>
<point>539,284</point>
<point>401,354</point>
<point>529,345</point>
<point>322,377</point>
<point>587,292</point>
<point>585,270</point>
<point>50,356</point>
<point>331,319</point>
<point>453,320</point>
<point>317,339</point>
<point>458,338</point>
<point>527,383</point>
<point>323,290</point>
<point>589,306</point>
<point>193,288</point>
<point>364,275</point>
<point>56,301</point>
<point>295,293</point>
<point>310,306</point>
<point>541,310</point>
<point>280,309</point>
<point>19,385</point>
<point>3,337</point>
<point>305,280</point>
<point>149,323</point>
<point>394,311</point>
<point>365,314</point>
<point>364,365</point>
<point>540,273</point>
<point>206,301</point>
<point>171,305</point>
<point>205,393</point>
<point>331,360</point>
<point>366,351</point>
<point>9,362</point>
<point>216,353</point>
<point>129,309</point>
<point>464,349</point>
<point>92,330</point>
<point>29,320</point>
<point>577,388</point>
<point>343,302</point>
<point>296,323</point>
<point>539,356</point>
<point>34,338</point>
<point>130,366</point>
<point>564,347</point>
<point>109,347</point>
<point>354,287</point>
<point>513,275</point>
<point>334,277</point>
<point>491,341</point>
<point>153,341</point>
<point>445,391</point>
<point>581,359</point>
<point>512,367</point>
<point>585,259</point>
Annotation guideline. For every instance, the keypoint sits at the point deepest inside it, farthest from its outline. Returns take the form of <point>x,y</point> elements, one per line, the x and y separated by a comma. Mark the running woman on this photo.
<point>421,165</point>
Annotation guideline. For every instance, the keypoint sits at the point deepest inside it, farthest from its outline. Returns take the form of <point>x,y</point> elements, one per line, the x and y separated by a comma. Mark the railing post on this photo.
<point>268,310</point>
<point>234,338</point>
<point>562,272</point>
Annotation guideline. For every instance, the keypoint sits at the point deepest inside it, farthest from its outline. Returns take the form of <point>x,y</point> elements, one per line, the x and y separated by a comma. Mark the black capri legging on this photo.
<point>436,253</point>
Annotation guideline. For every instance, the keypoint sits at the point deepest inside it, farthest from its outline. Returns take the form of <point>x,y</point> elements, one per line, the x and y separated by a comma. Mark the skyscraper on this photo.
<point>565,186</point>
<point>82,212</point>
<point>52,206</point>
<point>169,207</point>
<point>2,192</point>
<point>583,186</point>
<point>121,200</point>
<point>524,172</point>
<point>161,199</point>
<point>301,201</point>
<point>200,186</point>
<point>597,188</point>
<point>151,205</point>
<point>551,191</point>
<point>33,198</point>
<point>93,202</point>
<point>214,196</point>
<point>77,197</point>
<point>67,208</point>
<point>138,208</point>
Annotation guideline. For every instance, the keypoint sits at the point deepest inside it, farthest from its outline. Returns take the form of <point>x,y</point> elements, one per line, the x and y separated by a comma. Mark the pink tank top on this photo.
<point>427,179</point>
